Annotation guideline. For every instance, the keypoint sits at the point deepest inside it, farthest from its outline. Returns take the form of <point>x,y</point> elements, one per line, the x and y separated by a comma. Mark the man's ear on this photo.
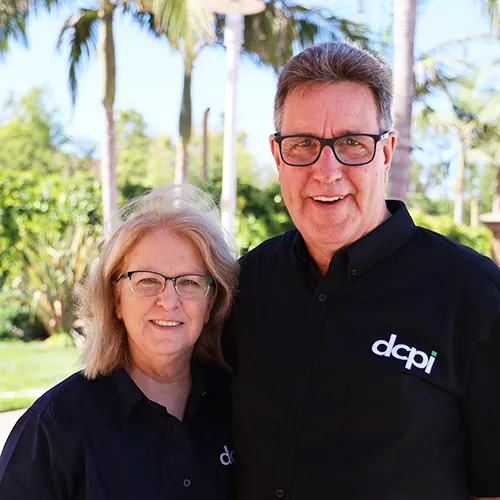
<point>275,151</point>
<point>389,145</point>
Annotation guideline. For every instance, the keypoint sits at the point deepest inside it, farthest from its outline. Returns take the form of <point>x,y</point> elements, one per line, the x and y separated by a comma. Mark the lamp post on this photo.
<point>234,11</point>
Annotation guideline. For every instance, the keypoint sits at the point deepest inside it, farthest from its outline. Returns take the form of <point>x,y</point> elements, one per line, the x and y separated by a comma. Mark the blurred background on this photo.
<point>102,100</point>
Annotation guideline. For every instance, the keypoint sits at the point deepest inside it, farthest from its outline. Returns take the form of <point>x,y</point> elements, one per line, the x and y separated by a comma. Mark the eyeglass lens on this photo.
<point>351,150</point>
<point>189,286</point>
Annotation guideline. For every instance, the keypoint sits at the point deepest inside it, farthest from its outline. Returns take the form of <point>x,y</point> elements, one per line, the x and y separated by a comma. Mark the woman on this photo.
<point>148,417</point>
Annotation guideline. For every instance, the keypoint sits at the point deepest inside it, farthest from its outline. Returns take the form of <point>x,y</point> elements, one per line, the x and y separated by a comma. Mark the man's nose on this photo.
<point>168,297</point>
<point>327,168</point>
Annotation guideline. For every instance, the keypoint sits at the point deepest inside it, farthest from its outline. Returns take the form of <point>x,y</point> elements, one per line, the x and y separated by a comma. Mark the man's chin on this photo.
<point>329,237</point>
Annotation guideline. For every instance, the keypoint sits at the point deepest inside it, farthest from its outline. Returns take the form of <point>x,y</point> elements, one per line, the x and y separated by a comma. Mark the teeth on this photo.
<point>328,198</point>
<point>160,322</point>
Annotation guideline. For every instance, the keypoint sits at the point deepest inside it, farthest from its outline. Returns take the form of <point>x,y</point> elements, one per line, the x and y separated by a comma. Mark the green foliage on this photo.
<point>261,215</point>
<point>142,159</point>
<point>51,267</point>
<point>15,322</point>
<point>431,206</point>
<point>31,136</point>
<point>477,237</point>
<point>31,204</point>
<point>61,339</point>
<point>244,160</point>
<point>43,188</point>
<point>260,212</point>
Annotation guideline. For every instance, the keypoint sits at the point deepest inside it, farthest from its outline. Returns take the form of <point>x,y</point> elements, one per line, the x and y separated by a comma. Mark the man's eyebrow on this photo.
<point>339,134</point>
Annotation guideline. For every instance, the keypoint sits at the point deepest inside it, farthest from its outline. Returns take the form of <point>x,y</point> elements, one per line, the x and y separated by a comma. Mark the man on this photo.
<point>367,350</point>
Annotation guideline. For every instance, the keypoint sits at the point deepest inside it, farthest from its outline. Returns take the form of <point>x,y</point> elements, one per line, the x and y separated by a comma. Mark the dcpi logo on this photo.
<point>414,357</point>
<point>227,457</point>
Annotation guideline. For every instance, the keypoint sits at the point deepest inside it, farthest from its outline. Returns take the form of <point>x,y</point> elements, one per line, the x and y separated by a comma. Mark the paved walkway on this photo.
<point>7,421</point>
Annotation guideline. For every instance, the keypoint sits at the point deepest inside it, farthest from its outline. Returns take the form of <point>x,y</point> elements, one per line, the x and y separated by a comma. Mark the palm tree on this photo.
<point>269,39</point>
<point>92,29</point>
<point>492,8</point>
<point>86,30</point>
<point>474,122</point>
<point>190,46</point>
<point>13,20</point>
<point>405,16</point>
<point>415,78</point>
<point>13,17</point>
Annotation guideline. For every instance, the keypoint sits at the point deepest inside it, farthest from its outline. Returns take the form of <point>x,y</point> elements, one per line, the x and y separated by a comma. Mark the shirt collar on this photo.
<point>368,251</point>
<point>127,395</point>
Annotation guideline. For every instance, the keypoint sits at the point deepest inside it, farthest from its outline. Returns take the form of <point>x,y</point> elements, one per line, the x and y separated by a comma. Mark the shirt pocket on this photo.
<point>399,420</point>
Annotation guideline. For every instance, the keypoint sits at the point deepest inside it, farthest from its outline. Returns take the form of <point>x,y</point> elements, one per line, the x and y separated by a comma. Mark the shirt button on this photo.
<point>280,493</point>
<point>322,297</point>
<point>354,271</point>
<point>187,483</point>
<point>291,423</point>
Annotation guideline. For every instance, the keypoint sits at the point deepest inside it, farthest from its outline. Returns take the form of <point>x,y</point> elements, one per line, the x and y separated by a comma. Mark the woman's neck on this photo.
<point>168,386</point>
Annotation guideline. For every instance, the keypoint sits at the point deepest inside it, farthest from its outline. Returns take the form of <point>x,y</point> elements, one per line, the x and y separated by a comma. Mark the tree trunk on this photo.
<point>458,212</point>
<point>474,212</point>
<point>181,161</point>
<point>205,145</point>
<point>108,154</point>
<point>496,197</point>
<point>185,126</point>
<point>405,14</point>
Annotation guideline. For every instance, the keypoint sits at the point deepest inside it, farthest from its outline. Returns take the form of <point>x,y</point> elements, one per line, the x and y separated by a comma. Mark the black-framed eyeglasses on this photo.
<point>150,283</point>
<point>350,149</point>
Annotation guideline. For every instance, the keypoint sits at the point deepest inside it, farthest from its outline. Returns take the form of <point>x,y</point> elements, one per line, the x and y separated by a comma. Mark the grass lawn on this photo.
<point>28,369</point>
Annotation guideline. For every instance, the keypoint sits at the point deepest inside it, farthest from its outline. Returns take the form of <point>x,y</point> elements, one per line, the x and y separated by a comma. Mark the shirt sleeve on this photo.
<point>37,460</point>
<point>481,411</point>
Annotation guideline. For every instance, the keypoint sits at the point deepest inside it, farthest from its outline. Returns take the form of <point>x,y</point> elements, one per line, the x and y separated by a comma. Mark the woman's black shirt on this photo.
<point>103,439</point>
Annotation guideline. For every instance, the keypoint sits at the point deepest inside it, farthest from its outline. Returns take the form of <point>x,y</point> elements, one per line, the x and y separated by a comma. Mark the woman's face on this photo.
<point>164,326</point>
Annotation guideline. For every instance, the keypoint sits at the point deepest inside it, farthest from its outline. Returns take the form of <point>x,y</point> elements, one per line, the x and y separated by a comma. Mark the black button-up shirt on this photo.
<point>104,440</point>
<point>378,381</point>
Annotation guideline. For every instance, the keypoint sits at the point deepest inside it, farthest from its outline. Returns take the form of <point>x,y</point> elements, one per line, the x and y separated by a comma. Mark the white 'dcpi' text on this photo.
<point>412,356</point>
<point>227,457</point>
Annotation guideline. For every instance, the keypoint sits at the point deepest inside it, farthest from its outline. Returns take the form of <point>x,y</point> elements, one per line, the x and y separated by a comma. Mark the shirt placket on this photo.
<point>287,451</point>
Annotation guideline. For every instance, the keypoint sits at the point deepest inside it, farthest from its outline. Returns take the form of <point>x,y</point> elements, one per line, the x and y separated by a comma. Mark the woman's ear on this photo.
<point>118,307</point>
<point>209,308</point>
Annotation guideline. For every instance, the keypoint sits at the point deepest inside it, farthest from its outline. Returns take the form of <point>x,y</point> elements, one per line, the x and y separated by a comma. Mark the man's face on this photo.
<point>325,111</point>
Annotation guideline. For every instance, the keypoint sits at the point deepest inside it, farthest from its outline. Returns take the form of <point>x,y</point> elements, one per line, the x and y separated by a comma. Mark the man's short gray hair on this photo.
<point>333,62</point>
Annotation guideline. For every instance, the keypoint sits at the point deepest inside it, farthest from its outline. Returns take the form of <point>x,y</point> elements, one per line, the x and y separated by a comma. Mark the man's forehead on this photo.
<point>305,89</point>
<point>338,106</point>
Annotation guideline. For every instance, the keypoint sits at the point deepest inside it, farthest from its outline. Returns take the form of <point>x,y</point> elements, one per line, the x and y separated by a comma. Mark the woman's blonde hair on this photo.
<point>185,211</point>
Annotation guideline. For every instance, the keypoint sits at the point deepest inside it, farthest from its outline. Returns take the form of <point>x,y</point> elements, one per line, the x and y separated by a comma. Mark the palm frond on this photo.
<point>272,36</point>
<point>176,19</point>
<point>146,21</point>
<point>52,267</point>
<point>438,71</point>
<point>492,9</point>
<point>80,31</point>
<point>13,19</point>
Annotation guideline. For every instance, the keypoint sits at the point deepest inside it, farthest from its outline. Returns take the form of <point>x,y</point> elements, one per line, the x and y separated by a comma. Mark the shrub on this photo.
<point>476,237</point>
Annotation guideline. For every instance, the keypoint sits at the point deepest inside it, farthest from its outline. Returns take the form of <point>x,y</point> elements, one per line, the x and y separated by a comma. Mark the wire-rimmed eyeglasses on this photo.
<point>350,149</point>
<point>150,283</point>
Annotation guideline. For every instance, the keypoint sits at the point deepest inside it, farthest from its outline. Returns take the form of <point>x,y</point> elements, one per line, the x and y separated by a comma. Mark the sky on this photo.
<point>149,73</point>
